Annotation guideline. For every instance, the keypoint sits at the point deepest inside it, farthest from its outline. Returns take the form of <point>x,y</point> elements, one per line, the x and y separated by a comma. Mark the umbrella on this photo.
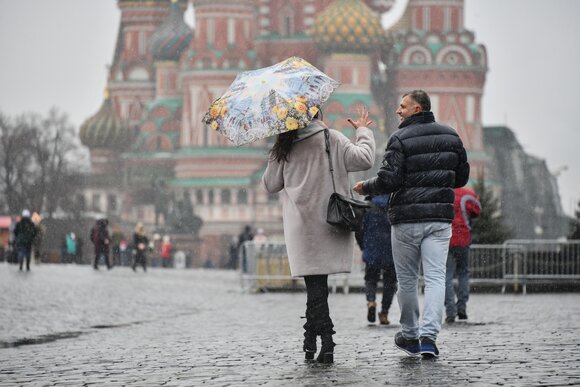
<point>269,101</point>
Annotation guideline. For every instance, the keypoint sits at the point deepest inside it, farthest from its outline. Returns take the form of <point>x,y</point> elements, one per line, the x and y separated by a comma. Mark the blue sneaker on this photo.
<point>429,349</point>
<point>411,347</point>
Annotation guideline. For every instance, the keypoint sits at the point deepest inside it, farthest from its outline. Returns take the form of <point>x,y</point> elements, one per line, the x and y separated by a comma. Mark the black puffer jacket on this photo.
<point>424,161</point>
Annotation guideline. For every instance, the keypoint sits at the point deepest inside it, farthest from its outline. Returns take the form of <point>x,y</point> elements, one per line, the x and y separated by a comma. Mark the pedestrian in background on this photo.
<point>165,252</point>
<point>245,236</point>
<point>102,241</point>
<point>298,168</point>
<point>141,244</point>
<point>69,248</point>
<point>116,238</point>
<point>234,249</point>
<point>423,163</point>
<point>467,207</point>
<point>374,239</point>
<point>39,238</point>
<point>24,234</point>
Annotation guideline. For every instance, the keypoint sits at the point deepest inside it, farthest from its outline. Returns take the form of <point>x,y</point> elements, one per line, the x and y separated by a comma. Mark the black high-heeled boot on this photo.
<point>309,346</point>
<point>326,355</point>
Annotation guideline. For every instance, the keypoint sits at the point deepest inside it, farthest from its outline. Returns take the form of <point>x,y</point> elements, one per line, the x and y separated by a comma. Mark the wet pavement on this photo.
<point>70,325</point>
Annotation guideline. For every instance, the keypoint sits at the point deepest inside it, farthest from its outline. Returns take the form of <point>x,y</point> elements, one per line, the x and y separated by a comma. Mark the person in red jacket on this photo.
<point>467,207</point>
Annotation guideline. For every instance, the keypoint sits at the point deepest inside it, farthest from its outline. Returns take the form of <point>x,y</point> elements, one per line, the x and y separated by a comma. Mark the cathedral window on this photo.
<point>138,74</point>
<point>447,19</point>
<point>226,196</point>
<point>287,21</point>
<point>231,32</point>
<point>142,45</point>
<point>96,202</point>
<point>242,196</point>
<point>210,32</point>
<point>426,19</point>
<point>112,204</point>
<point>435,105</point>
<point>81,202</point>
<point>470,108</point>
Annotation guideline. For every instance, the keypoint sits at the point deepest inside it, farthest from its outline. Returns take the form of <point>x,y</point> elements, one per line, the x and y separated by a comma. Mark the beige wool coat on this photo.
<point>304,182</point>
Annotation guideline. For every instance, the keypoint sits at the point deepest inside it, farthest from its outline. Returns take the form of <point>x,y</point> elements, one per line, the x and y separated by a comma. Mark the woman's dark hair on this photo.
<point>285,141</point>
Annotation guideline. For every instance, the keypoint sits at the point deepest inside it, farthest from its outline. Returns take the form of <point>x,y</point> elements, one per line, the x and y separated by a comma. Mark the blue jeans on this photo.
<point>457,263</point>
<point>413,242</point>
<point>24,253</point>
<point>372,277</point>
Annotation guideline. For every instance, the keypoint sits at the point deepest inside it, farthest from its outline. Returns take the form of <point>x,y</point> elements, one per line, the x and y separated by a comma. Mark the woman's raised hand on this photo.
<point>363,118</point>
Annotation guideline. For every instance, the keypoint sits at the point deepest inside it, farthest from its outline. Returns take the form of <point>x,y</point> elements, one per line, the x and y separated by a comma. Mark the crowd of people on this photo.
<point>420,216</point>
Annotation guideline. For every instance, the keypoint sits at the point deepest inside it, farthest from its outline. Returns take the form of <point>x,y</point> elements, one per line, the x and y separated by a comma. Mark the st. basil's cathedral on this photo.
<point>149,149</point>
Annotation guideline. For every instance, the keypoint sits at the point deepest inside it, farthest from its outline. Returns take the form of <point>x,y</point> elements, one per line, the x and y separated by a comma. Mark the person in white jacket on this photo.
<point>298,168</point>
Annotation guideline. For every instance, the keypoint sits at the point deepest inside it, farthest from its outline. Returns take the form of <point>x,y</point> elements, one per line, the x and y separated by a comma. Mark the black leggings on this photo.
<point>318,320</point>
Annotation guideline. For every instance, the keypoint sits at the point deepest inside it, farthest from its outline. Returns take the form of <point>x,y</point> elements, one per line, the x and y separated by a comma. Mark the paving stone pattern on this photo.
<point>67,325</point>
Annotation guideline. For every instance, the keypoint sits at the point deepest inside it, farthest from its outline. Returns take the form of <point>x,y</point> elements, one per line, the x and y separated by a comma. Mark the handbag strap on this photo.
<point>327,141</point>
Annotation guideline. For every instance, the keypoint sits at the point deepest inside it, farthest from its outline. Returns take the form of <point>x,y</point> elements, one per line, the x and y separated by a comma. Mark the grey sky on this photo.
<point>55,53</point>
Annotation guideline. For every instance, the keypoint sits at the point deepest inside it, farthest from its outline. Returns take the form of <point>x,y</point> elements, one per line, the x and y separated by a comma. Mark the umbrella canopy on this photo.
<point>269,101</point>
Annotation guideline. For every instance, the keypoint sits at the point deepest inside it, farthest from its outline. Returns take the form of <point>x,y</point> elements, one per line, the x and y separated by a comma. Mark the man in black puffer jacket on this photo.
<point>424,162</point>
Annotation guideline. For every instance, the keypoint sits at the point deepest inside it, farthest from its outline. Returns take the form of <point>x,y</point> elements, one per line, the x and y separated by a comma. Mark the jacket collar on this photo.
<point>419,118</point>
<point>314,127</point>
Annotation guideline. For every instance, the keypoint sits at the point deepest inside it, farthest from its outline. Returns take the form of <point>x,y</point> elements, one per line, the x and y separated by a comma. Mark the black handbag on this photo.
<point>343,212</point>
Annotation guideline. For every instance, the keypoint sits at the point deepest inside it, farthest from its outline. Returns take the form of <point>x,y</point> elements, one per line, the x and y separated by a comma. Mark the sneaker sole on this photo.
<point>414,354</point>
<point>429,355</point>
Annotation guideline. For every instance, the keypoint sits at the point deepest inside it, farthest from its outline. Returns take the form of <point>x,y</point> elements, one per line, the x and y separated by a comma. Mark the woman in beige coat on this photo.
<point>298,168</point>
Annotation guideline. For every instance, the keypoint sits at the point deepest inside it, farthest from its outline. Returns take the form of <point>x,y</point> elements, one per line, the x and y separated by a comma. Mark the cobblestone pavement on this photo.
<point>69,325</point>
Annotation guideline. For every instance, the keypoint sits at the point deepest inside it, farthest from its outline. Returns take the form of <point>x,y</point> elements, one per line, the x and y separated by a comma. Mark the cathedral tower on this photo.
<point>132,74</point>
<point>433,51</point>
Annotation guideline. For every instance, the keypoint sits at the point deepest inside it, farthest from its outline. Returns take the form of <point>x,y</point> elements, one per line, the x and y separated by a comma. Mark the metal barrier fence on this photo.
<point>264,266</point>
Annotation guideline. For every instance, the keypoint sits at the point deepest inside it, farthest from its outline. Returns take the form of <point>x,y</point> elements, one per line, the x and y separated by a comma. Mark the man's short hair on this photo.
<point>421,97</point>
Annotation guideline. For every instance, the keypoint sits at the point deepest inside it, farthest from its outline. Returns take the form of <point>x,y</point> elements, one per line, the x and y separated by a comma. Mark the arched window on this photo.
<point>287,21</point>
<point>210,196</point>
<point>242,196</point>
<point>226,196</point>
<point>199,196</point>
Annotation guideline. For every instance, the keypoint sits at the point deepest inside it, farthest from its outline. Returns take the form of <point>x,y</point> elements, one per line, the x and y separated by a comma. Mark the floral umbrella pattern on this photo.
<point>269,101</point>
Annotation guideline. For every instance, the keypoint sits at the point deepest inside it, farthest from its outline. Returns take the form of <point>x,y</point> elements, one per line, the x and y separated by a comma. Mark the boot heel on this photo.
<point>326,358</point>
<point>309,355</point>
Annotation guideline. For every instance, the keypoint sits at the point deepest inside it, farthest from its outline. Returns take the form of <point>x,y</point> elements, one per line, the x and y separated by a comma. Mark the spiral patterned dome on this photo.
<point>172,36</point>
<point>105,129</point>
<point>348,26</point>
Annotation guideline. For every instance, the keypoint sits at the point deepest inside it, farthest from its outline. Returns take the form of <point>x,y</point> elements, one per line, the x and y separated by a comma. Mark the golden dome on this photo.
<point>348,26</point>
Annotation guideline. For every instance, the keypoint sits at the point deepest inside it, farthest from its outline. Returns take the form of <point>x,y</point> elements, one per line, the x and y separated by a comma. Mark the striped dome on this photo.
<point>172,36</point>
<point>105,129</point>
<point>348,26</point>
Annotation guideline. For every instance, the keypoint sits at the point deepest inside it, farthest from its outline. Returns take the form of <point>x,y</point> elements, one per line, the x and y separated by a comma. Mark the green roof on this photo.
<point>172,104</point>
<point>347,99</point>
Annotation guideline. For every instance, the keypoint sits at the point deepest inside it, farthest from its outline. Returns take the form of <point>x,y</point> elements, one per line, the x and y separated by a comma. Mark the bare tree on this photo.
<point>37,156</point>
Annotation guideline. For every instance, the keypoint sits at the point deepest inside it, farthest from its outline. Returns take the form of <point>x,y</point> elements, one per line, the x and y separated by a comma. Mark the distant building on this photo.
<point>147,142</point>
<point>528,192</point>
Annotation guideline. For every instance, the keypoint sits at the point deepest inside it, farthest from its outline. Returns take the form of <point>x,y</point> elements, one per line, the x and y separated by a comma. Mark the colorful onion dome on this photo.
<point>105,129</point>
<point>172,36</point>
<point>348,26</point>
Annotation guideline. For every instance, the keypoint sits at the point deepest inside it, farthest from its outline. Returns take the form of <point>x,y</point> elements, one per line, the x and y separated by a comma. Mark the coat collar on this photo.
<point>314,127</point>
<point>419,118</point>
